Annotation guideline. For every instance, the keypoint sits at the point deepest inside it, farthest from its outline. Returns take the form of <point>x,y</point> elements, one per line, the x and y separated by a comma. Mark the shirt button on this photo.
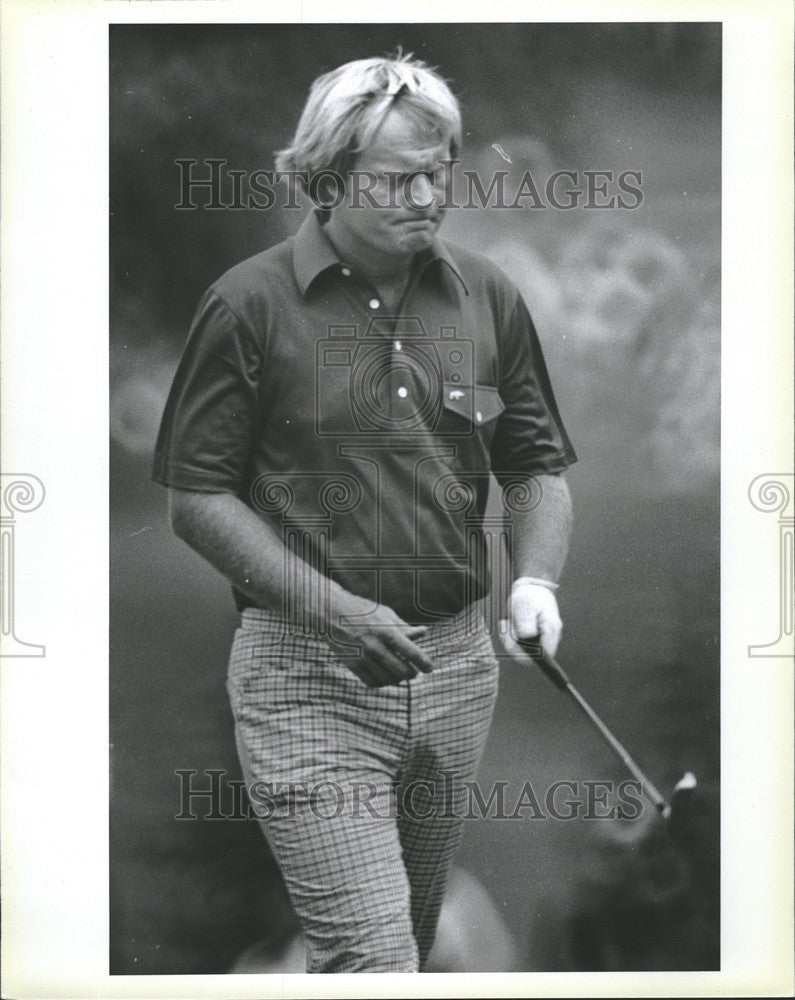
<point>398,346</point>
<point>374,303</point>
<point>478,416</point>
<point>403,392</point>
<point>346,271</point>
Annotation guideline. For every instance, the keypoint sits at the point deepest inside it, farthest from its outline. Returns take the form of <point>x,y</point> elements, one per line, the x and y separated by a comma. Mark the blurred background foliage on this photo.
<point>627,304</point>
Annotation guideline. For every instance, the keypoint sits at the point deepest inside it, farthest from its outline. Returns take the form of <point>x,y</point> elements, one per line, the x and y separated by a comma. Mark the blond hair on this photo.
<point>346,106</point>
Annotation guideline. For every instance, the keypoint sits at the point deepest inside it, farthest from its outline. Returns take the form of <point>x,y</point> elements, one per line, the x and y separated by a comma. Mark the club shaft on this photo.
<point>647,787</point>
<point>553,670</point>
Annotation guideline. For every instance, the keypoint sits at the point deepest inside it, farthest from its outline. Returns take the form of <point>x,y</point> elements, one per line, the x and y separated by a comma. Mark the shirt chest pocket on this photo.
<point>470,411</point>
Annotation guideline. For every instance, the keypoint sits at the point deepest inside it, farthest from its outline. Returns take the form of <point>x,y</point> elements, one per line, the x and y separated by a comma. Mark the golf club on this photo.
<point>675,811</point>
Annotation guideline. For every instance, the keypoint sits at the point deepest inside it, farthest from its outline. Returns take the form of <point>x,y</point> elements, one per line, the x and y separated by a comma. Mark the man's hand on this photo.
<point>249,553</point>
<point>540,543</point>
<point>388,655</point>
<point>533,615</point>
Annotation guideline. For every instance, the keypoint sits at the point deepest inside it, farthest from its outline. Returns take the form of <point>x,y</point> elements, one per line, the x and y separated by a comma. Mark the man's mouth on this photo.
<point>424,221</point>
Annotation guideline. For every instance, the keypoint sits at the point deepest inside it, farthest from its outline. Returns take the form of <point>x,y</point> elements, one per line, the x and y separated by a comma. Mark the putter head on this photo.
<point>682,797</point>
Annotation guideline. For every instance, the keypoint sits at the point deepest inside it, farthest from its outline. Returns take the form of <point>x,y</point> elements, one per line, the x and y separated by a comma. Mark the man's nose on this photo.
<point>420,194</point>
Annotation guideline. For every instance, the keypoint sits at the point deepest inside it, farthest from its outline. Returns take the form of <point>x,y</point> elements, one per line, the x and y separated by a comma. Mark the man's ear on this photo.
<point>327,189</point>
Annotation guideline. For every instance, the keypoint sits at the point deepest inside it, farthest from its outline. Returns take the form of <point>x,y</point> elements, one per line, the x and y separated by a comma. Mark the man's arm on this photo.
<point>541,535</point>
<point>250,555</point>
<point>540,543</point>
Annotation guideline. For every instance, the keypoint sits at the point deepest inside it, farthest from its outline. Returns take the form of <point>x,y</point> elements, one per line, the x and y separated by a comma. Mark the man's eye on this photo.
<point>430,174</point>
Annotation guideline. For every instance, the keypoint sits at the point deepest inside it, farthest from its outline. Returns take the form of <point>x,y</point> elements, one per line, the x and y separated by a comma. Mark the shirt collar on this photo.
<point>314,253</point>
<point>438,251</point>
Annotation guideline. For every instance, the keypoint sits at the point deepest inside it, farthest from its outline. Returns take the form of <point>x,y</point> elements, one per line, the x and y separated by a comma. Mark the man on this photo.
<point>327,442</point>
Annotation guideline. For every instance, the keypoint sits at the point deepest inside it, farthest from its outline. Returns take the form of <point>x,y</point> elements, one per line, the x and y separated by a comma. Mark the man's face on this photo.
<point>403,168</point>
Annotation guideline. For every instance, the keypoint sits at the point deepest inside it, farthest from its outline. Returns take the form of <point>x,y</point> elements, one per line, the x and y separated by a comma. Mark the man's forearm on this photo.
<point>540,537</point>
<point>249,553</point>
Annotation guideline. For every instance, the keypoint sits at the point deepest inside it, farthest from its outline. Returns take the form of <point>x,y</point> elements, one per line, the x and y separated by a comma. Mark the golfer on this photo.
<point>328,442</point>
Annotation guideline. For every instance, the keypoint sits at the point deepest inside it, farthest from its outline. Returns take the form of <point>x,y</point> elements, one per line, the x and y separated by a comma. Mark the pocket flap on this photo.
<point>478,404</point>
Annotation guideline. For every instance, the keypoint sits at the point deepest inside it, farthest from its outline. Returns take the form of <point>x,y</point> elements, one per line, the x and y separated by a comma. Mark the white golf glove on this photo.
<point>534,614</point>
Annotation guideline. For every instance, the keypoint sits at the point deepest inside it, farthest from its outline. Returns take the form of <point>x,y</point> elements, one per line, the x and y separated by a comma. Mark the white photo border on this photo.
<point>55,408</point>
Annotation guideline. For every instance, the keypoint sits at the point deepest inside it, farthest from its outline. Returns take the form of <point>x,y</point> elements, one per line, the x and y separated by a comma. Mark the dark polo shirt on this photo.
<point>365,440</point>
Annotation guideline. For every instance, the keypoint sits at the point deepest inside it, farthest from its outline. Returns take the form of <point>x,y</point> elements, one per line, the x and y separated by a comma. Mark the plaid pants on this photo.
<point>359,789</point>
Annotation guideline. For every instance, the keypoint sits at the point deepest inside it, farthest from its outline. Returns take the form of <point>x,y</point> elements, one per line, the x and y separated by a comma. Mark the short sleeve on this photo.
<point>207,433</point>
<point>530,438</point>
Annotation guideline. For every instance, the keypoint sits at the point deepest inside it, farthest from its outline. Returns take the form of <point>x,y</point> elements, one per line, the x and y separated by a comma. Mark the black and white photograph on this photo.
<point>416,632</point>
<point>419,328</point>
